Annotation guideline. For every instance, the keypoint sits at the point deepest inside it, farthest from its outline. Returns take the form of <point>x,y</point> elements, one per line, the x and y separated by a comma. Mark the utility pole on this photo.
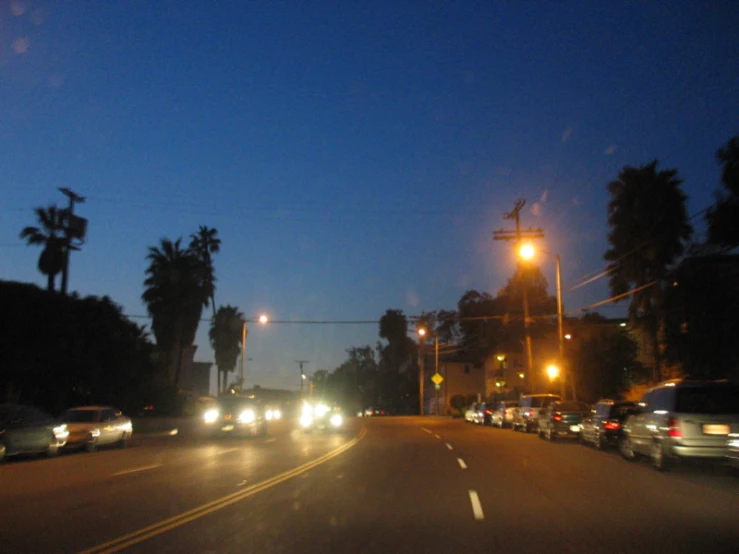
<point>518,235</point>
<point>302,375</point>
<point>68,232</point>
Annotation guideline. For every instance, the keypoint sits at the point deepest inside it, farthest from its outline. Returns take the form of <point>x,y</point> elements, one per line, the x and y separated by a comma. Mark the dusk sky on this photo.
<point>354,156</point>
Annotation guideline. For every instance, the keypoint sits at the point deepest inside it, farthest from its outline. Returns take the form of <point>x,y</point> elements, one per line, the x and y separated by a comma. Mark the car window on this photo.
<point>79,416</point>
<point>8,413</point>
<point>108,415</point>
<point>661,399</point>
<point>29,414</point>
<point>707,400</point>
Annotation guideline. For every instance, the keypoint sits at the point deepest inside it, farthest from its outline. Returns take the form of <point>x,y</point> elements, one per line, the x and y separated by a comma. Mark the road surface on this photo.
<point>386,485</point>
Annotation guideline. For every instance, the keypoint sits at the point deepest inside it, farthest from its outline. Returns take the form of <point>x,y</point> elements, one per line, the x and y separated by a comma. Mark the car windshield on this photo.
<point>718,399</point>
<point>79,416</point>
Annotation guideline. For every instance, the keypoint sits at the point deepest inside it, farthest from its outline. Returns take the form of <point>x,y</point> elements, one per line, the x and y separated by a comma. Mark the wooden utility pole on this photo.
<point>69,233</point>
<point>518,235</point>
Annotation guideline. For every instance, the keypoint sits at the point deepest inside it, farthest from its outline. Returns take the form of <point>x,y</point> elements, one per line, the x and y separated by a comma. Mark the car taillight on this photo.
<point>673,428</point>
<point>557,417</point>
<point>612,425</point>
<point>531,413</point>
<point>488,412</point>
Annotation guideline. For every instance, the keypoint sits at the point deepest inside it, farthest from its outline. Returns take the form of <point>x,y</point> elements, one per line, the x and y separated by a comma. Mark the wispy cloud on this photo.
<point>537,208</point>
<point>610,150</point>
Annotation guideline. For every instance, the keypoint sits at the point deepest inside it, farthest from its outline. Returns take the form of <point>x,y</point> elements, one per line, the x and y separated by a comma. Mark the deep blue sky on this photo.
<point>354,156</point>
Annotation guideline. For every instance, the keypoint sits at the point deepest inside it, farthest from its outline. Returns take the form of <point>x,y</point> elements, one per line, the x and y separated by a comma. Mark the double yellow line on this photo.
<point>125,541</point>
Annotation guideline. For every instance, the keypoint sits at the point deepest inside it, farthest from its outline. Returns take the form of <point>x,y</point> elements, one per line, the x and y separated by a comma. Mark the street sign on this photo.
<point>437,379</point>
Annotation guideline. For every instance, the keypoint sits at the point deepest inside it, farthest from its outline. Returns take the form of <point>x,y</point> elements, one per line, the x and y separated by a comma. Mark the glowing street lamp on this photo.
<point>553,372</point>
<point>262,319</point>
<point>527,252</point>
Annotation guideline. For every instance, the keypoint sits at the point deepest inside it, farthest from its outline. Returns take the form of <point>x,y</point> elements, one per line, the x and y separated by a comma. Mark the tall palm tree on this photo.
<point>50,234</point>
<point>649,229</point>
<point>722,216</point>
<point>205,243</point>
<point>175,294</point>
<point>225,338</point>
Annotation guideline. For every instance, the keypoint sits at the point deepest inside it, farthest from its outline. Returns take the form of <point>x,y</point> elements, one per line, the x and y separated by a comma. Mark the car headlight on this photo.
<point>321,410</point>
<point>247,416</point>
<point>127,426</point>
<point>210,416</point>
<point>336,420</point>
<point>95,432</point>
<point>60,431</point>
<point>276,414</point>
<point>306,420</point>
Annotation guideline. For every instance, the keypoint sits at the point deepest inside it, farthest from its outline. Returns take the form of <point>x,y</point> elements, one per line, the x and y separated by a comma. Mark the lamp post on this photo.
<point>527,252</point>
<point>244,332</point>
<point>421,371</point>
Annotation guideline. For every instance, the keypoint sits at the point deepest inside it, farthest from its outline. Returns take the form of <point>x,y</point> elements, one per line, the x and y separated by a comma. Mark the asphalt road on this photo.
<point>387,485</point>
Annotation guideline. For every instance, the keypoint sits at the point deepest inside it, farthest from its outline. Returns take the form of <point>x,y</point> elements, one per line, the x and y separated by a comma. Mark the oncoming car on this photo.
<point>320,415</point>
<point>233,415</point>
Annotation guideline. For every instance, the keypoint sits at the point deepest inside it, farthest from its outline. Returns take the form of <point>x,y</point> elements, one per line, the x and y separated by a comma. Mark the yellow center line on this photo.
<point>116,545</point>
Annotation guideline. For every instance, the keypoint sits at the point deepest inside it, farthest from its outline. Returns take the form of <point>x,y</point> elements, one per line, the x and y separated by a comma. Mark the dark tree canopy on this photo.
<point>723,217</point>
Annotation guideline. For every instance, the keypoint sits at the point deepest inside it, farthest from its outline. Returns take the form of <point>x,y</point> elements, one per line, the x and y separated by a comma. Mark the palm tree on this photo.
<point>649,229</point>
<point>205,243</point>
<point>225,338</point>
<point>51,235</point>
<point>722,216</point>
<point>175,294</point>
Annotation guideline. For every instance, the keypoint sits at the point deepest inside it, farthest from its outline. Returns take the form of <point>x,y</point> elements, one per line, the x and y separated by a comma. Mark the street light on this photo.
<point>527,252</point>
<point>553,372</point>
<point>421,371</point>
<point>262,319</point>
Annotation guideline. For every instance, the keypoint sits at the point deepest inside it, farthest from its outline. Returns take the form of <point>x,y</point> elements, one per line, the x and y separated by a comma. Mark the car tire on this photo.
<point>600,442</point>
<point>626,449</point>
<point>550,435</point>
<point>660,461</point>
<point>52,450</point>
<point>91,446</point>
<point>123,443</point>
<point>3,451</point>
<point>581,439</point>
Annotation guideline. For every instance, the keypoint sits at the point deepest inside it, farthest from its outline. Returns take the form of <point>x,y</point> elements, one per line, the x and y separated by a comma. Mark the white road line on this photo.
<point>136,469</point>
<point>461,463</point>
<point>476,506</point>
<point>438,436</point>
<point>427,430</point>
<point>449,446</point>
<point>227,451</point>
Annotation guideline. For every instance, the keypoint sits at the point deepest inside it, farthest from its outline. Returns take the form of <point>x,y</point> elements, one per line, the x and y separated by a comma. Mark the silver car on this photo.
<point>682,419</point>
<point>93,426</point>
<point>503,413</point>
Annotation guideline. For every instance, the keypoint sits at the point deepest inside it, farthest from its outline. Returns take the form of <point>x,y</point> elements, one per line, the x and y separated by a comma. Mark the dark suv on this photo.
<point>602,427</point>
<point>682,419</point>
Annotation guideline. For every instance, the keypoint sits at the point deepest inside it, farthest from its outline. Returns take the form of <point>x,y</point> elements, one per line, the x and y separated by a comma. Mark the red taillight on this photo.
<point>557,417</point>
<point>488,412</point>
<point>612,425</point>
<point>674,430</point>
<point>531,413</point>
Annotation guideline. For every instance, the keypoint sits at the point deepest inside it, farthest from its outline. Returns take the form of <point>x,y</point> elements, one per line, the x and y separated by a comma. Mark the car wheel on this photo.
<point>2,452</point>
<point>600,441</point>
<point>123,443</point>
<point>540,433</point>
<point>581,439</point>
<point>626,449</point>
<point>52,450</point>
<point>550,435</point>
<point>91,446</point>
<point>659,458</point>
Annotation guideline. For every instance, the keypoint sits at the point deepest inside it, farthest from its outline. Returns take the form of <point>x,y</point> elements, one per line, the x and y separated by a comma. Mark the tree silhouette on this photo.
<point>50,234</point>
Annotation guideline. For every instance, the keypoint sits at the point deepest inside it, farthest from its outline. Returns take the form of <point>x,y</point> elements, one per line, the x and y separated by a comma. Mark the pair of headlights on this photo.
<point>311,413</point>
<point>247,416</point>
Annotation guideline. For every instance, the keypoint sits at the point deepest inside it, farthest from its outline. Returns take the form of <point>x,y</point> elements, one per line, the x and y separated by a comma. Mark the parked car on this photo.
<point>29,430</point>
<point>562,419</point>
<point>234,415</point>
<point>472,414</point>
<point>526,416</point>
<point>503,412</point>
<point>682,418</point>
<point>486,413</point>
<point>93,426</point>
<point>603,427</point>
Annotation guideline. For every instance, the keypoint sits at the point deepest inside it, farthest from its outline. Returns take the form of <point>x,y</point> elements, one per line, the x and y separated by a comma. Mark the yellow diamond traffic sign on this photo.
<point>437,378</point>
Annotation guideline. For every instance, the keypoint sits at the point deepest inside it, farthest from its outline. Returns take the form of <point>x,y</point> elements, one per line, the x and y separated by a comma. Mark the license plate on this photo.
<point>227,428</point>
<point>716,429</point>
<point>575,428</point>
